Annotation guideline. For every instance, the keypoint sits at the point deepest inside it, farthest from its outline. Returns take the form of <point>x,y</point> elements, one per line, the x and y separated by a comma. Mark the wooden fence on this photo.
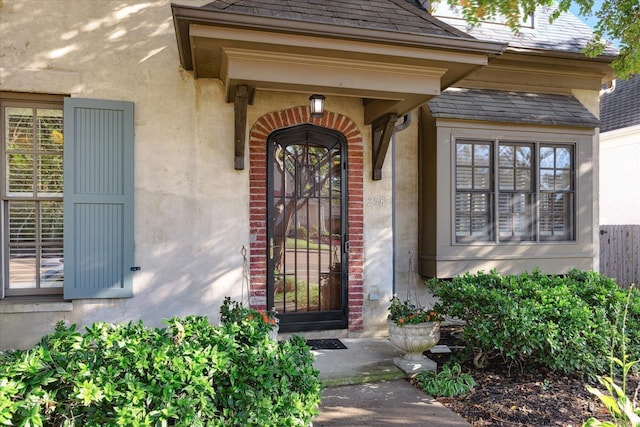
<point>620,253</point>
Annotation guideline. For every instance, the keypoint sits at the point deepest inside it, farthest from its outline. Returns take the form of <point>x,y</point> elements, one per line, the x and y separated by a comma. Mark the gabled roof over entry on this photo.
<point>512,107</point>
<point>397,16</point>
<point>390,53</point>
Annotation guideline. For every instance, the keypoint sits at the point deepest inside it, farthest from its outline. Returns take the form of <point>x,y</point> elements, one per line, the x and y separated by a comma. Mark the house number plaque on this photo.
<point>375,201</point>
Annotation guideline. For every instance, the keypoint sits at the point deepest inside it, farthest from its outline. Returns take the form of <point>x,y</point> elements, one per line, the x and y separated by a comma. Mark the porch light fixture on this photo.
<point>317,105</point>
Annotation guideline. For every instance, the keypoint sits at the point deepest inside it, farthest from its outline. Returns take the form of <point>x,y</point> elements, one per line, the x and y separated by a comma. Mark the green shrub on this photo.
<point>188,374</point>
<point>566,323</point>
<point>450,381</point>
<point>301,232</point>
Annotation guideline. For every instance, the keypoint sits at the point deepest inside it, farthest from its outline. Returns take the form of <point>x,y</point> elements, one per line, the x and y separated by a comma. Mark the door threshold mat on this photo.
<point>326,344</point>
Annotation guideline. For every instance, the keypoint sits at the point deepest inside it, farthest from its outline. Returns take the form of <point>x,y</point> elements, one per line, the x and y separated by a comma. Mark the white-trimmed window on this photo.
<point>32,204</point>
<point>510,191</point>
<point>75,156</point>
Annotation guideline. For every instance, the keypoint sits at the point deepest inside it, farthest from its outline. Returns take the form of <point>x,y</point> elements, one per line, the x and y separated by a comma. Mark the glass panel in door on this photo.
<point>306,234</point>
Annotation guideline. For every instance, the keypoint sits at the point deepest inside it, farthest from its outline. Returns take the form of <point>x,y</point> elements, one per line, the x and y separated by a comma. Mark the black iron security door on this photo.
<point>306,228</point>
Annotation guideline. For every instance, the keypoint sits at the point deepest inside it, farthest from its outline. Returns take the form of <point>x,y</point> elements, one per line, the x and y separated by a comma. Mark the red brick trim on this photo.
<point>258,201</point>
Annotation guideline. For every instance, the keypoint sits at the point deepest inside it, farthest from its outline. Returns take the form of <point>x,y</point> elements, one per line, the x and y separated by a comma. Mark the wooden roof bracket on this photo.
<point>382,130</point>
<point>240,102</point>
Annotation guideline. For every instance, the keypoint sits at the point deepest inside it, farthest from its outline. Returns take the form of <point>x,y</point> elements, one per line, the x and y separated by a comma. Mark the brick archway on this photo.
<point>258,201</point>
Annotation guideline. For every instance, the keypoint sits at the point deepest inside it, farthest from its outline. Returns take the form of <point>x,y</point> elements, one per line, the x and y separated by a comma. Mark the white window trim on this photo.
<point>29,101</point>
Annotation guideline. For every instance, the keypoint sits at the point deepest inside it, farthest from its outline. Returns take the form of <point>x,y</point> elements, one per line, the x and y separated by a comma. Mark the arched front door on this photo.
<point>306,228</point>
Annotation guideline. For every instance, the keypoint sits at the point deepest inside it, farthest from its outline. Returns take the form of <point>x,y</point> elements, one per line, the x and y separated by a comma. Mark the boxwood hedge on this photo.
<point>187,374</point>
<point>569,323</point>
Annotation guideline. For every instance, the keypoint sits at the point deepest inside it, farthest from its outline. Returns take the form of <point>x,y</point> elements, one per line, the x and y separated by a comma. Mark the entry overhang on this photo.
<point>392,72</point>
<point>399,70</point>
<point>306,73</point>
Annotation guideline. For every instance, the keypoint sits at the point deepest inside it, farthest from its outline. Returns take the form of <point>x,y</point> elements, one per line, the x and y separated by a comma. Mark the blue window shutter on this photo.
<point>98,198</point>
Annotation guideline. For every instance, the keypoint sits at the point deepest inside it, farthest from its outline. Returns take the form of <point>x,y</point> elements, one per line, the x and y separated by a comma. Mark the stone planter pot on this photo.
<point>414,340</point>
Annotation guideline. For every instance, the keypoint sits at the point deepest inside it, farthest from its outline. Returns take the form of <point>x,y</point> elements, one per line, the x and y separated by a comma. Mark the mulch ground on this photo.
<point>517,397</point>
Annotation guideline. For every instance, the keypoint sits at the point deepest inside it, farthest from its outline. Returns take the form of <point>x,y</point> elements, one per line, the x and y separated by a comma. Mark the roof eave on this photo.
<point>183,16</point>
<point>550,53</point>
<point>507,121</point>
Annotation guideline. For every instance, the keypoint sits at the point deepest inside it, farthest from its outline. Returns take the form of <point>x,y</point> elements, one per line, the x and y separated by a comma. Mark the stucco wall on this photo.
<point>406,183</point>
<point>192,207</point>
<point>619,176</point>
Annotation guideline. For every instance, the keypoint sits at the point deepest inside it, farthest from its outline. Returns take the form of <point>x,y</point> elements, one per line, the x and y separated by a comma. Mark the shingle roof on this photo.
<point>566,34</point>
<point>621,108</point>
<point>403,16</point>
<point>511,107</point>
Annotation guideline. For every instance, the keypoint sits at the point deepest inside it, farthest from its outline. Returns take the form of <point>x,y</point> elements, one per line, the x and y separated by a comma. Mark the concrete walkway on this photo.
<point>364,388</point>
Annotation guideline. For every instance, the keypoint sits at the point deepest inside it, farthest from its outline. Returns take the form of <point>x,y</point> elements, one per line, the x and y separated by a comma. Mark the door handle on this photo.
<point>271,248</point>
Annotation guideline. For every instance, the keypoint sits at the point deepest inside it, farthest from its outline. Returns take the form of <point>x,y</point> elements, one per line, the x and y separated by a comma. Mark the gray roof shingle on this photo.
<point>511,107</point>
<point>403,16</point>
<point>566,34</point>
<point>621,108</point>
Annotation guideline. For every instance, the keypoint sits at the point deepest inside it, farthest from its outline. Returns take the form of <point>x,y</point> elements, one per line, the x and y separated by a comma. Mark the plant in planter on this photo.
<point>262,320</point>
<point>405,313</point>
<point>413,329</point>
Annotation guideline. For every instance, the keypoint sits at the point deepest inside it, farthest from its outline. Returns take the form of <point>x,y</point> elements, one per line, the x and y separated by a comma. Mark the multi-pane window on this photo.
<point>514,191</point>
<point>474,195</point>
<point>32,148</point>
<point>556,192</point>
